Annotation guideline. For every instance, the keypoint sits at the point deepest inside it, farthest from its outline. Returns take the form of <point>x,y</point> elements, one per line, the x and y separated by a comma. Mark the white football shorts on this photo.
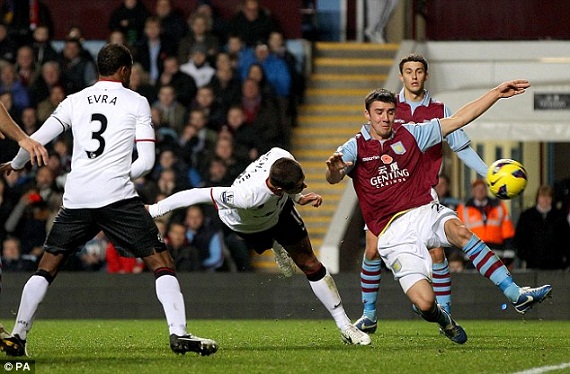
<point>404,244</point>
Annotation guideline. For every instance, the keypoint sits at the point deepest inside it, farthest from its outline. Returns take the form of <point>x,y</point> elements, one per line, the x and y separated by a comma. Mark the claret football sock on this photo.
<point>370,276</point>
<point>490,266</point>
<point>442,285</point>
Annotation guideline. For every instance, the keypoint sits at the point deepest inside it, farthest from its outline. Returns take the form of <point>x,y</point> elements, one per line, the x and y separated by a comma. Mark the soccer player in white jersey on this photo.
<point>391,175</point>
<point>106,120</point>
<point>260,207</point>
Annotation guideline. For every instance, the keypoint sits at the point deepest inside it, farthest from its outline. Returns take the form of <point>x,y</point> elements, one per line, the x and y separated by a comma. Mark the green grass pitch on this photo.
<point>297,346</point>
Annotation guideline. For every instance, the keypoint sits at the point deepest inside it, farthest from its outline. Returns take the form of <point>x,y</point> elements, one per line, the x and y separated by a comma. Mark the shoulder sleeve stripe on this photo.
<point>62,124</point>
<point>145,140</point>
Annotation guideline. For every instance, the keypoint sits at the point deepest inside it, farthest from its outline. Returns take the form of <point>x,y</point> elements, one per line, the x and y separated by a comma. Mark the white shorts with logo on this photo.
<point>404,244</point>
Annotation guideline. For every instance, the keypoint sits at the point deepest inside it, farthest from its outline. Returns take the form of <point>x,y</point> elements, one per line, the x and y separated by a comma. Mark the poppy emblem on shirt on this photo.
<point>398,148</point>
<point>386,159</point>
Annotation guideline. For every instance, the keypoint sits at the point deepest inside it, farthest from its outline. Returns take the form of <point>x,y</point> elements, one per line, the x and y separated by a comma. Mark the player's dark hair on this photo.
<point>413,57</point>
<point>112,57</point>
<point>379,94</point>
<point>286,173</point>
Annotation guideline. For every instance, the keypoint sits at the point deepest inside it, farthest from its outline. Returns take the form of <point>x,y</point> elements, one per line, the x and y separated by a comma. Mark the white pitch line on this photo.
<point>544,369</point>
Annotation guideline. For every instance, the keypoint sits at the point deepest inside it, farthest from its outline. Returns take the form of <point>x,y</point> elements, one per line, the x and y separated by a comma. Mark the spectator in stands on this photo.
<point>252,23</point>
<point>217,174</point>
<point>41,44</point>
<point>257,73</point>
<point>117,37</point>
<point>235,48</point>
<point>167,182</point>
<point>196,139</point>
<point>10,82</point>
<point>12,259</point>
<point>224,149</point>
<point>76,32</point>
<point>205,100</point>
<point>244,135</point>
<point>542,234</point>
<point>204,138</point>
<point>28,69</point>
<point>489,219</point>
<point>226,84</point>
<point>14,186</point>
<point>168,160</point>
<point>153,49</point>
<point>275,68</point>
<point>278,48</point>
<point>203,235</point>
<point>172,113</point>
<point>77,70</point>
<point>8,46</point>
<point>185,256</point>
<point>29,121</point>
<point>47,106</point>
<point>28,221</point>
<point>218,26</point>
<point>262,114</point>
<point>140,83</point>
<point>199,35</point>
<point>50,76</point>
<point>198,66</point>
<point>172,21</point>
<point>184,84</point>
<point>62,146</point>
<point>223,60</point>
<point>129,18</point>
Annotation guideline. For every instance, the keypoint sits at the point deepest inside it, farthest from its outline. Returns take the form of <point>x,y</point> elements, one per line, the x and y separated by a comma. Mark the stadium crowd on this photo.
<point>221,93</point>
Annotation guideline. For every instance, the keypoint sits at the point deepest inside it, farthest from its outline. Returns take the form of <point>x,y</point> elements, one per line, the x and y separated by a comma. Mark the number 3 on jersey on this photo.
<point>98,117</point>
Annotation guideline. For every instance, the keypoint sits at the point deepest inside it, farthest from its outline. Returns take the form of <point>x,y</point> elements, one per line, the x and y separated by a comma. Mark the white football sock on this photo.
<point>33,294</point>
<point>325,289</point>
<point>168,293</point>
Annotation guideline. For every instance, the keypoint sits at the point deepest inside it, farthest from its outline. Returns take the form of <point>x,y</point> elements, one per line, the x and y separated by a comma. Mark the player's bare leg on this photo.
<point>423,298</point>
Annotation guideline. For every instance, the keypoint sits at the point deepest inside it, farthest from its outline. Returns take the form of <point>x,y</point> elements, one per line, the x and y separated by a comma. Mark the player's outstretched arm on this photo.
<point>335,168</point>
<point>180,199</point>
<point>38,153</point>
<point>474,109</point>
<point>46,133</point>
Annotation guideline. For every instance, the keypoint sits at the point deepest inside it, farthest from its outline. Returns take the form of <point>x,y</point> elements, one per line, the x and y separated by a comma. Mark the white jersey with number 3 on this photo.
<point>106,119</point>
